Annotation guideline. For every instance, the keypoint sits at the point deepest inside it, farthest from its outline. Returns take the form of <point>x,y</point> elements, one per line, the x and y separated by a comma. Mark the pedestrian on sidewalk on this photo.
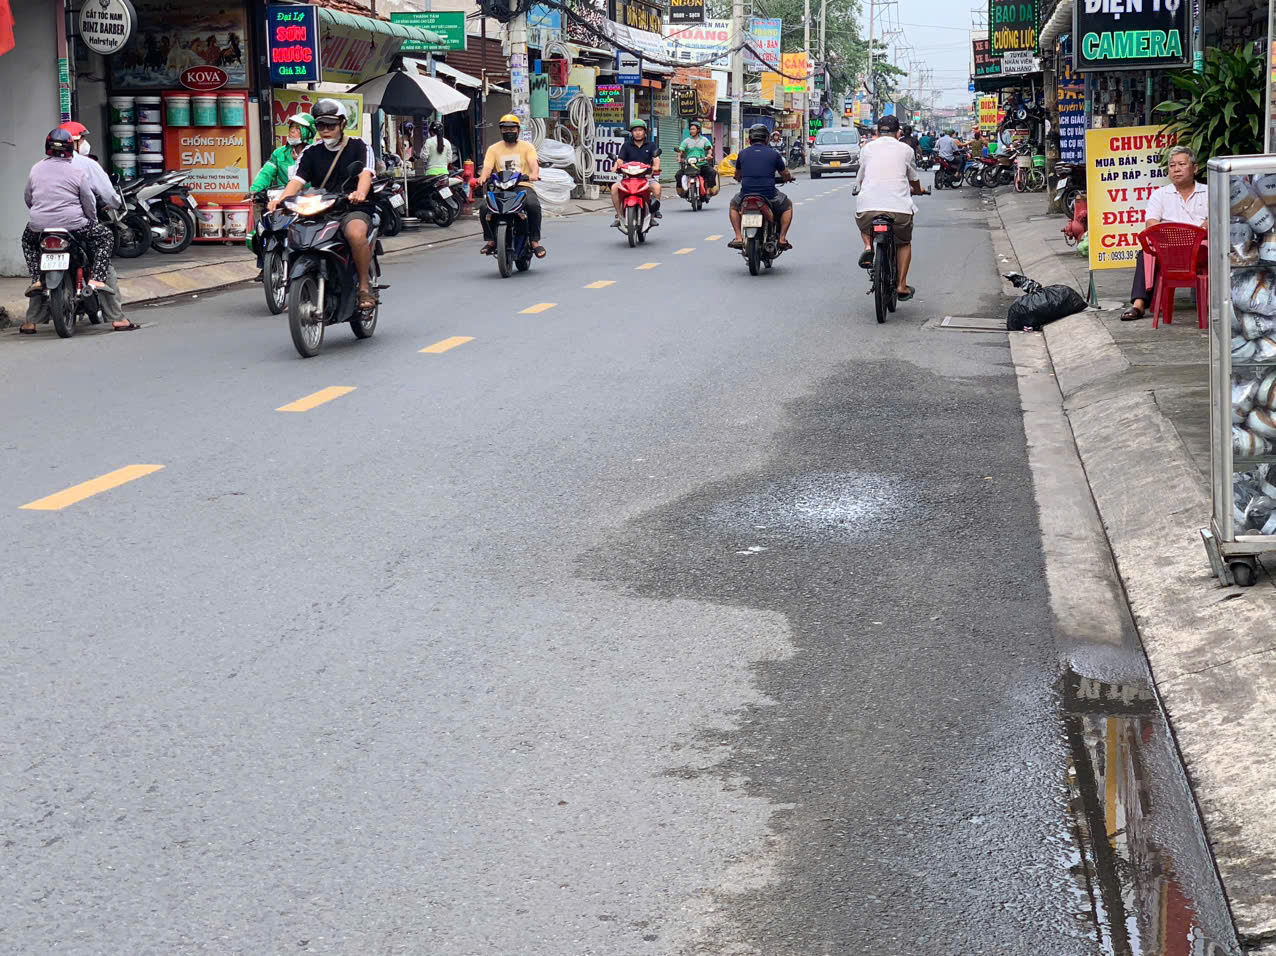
<point>1183,200</point>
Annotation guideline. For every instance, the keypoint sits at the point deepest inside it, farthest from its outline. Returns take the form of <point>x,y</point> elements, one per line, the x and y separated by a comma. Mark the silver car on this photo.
<point>835,151</point>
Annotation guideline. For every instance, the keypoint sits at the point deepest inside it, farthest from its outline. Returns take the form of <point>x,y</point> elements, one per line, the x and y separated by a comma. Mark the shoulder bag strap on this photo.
<point>335,160</point>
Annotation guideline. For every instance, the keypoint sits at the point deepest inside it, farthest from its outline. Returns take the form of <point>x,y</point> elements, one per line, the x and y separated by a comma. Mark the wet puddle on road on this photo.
<point>1145,869</point>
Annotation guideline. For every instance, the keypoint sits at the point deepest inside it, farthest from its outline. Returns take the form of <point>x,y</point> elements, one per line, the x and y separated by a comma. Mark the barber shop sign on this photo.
<point>106,26</point>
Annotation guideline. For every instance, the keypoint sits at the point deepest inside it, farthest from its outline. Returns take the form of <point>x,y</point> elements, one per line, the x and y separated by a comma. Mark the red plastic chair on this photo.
<point>1178,249</point>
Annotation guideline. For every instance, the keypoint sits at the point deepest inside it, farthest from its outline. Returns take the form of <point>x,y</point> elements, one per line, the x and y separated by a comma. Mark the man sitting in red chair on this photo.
<point>1183,200</point>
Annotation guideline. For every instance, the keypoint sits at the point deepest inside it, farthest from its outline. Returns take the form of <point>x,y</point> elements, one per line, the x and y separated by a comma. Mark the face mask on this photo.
<point>294,140</point>
<point>334,144</point>
<point>85,147</point>
<point>510,137</point>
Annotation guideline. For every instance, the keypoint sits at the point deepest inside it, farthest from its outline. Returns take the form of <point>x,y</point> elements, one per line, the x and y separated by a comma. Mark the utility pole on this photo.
<point>868,80</point>
<point>806,91</point>
<point>737,73</point>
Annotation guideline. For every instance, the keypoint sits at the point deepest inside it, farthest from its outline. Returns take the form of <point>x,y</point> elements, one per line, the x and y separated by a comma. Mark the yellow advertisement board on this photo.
<point>1123,168</point>
<point>773,87</point>
<point>794,64</point>
<point>285,103</point>
<point>988,112</point>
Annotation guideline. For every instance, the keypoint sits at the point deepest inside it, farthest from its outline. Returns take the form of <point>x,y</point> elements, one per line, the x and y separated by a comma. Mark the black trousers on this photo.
<point>1139,288</point>
<point>532,205</point>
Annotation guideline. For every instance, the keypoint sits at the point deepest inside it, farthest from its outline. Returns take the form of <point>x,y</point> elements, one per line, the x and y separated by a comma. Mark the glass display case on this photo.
<point>1242,270</point>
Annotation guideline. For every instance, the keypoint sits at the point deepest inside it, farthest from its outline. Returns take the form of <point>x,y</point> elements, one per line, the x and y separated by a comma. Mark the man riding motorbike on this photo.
<point>520,155</point>
<point>330,157</point>
<point>638,149</point>
<point>887,181</point>
<point>755,169</point>
<point>694,151</point>
<point>278,169</point>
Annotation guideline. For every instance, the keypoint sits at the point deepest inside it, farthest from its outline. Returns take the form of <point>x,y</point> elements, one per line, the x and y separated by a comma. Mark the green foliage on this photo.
<point>1221,112</point>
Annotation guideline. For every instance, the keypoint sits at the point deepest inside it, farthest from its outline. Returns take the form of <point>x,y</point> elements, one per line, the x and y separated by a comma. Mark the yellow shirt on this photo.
<point>520,156</point>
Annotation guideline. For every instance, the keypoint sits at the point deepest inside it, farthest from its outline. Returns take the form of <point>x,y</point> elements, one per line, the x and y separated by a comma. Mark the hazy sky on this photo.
<point>937,34</point>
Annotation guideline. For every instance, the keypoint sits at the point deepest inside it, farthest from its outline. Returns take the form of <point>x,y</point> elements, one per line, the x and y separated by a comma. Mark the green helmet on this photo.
<point>306,123</point>
<point>638,124</point>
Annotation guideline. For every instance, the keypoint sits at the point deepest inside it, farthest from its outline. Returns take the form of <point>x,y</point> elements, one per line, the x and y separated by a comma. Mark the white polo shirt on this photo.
<point>887,166</point>
<point>1166,205</point>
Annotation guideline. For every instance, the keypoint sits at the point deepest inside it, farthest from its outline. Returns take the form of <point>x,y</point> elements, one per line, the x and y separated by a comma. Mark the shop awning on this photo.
<point>462,79</point>
<point>1059,21</point>
<point>352,21</point>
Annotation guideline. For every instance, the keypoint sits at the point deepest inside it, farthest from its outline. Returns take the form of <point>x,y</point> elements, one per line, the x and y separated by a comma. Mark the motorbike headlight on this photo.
<point>309,205</point>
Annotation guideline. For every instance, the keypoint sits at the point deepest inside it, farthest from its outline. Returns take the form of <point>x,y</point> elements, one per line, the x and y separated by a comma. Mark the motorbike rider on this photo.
<point>638,149</point>
<point>60,195</point>
<point>887,181</point>
<point>755,169</point>
<point>694,151</point>
<point>331,156</point>
<point>512,153</point>
<point>927,142</point>
<point>278,169</point>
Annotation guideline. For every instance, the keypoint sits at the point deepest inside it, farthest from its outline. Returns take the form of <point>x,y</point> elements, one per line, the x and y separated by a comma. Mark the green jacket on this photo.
<point>276,171</point>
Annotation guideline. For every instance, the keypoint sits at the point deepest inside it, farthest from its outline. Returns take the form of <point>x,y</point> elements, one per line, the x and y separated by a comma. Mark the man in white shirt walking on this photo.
<point>1183,200</point>
<point>887,181</point>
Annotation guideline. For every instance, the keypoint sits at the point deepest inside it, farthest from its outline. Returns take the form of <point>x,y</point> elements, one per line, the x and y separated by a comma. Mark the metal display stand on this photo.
<point>1242,360</point>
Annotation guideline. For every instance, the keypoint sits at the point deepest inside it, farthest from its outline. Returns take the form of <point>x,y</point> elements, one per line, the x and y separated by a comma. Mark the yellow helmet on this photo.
<point>509,118</point>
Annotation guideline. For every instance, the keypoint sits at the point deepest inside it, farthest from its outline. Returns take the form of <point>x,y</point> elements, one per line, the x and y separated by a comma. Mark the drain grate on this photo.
<point>971,323</point>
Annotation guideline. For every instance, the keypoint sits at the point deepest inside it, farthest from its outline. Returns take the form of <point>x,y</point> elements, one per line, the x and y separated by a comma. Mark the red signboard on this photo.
<point>203,78</point>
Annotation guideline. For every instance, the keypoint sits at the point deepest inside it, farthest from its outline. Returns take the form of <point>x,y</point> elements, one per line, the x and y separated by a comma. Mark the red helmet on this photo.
<point>75,129</point>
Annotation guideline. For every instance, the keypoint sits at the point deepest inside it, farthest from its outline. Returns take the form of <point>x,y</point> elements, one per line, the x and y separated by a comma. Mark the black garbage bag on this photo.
<point>1040,304</point>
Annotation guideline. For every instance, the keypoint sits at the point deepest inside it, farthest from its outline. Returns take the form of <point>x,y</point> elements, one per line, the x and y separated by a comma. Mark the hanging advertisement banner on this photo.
<point>707,92</point>
<point>1123,168</point>
<point>988,112</point>
<point>686,97</point>
<point>1071,95</point>
<point>985,63</point>
<point>686,11</point>
<point>448,25</point>
<point>1012,24</point>
<point>794,64</point>
<point>606,149</point>
<point>1151,35</point>
<point>1018,62</point>
<point>709,41</point>
<point>215,159</point>
<point>764,36</point>
<point>285,103</point>
<point>352,55</point>
<point>107,26</point>
<point>609,104</point>
<point>292,44</point>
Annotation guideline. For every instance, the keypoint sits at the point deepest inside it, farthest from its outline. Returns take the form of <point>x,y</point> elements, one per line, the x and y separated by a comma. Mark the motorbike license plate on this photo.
<point>190,201</point>
<point>445,194</point>
<point>396,201</point>
<point>751,220</point>
<point>55,261</point>
<point>835,162</point>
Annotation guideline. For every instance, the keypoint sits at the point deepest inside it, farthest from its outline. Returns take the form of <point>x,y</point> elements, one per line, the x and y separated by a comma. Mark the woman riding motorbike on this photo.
<point>276,171</point>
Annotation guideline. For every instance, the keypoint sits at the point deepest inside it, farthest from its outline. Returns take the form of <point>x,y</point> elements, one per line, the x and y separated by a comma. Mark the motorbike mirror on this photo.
<point>354,169</point>
<point>657,151</point>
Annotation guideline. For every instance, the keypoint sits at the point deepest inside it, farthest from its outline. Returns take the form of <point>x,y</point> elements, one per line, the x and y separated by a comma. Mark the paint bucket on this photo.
<point>124,138</point>
<point>150,138</point>
<point>149,110</point>
<point>230,106</point>
<point>122,113</point>
<point>124,165</point>
<point>204,109</point>
<point>210,221</point>
<point>236,219</point>
<point>150,163</point>
<point>178,109</point>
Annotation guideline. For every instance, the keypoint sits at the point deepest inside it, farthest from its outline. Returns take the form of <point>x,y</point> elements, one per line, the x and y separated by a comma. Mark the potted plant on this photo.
<point>1221,112</point>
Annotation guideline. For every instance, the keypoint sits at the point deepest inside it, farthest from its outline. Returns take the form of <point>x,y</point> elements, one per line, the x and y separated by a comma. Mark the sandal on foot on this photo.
<point>866,259</point>
<point>487,248</point>
<point>35,288</point>
<point>735,244</point>
<point>905,296</point>
<point>1132,314</point>
<point>785,245</point>
<point>539,252</point>
<point>124,325</point>
<point>367,301</point>
<point>26,330</point>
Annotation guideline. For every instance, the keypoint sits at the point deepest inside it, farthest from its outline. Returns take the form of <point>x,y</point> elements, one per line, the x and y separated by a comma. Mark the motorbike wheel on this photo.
<point>941,180</point>
<point>880,282</point>
<point>181,230</point>
<point>363,328</point>
<point>753,253</point>
<point>274,279</point>
<point>1070,200</point>
<point>501,233</point>
<point>304,321</point>
<point>391,222</point>
<point>62,305</point>
<point>133,237</point>
<point>693,192</point>
<point>1007,175</point>
<point>631,226</point>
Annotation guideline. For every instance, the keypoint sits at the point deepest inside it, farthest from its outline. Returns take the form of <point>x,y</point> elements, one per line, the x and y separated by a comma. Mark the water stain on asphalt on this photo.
<point>935,784</point>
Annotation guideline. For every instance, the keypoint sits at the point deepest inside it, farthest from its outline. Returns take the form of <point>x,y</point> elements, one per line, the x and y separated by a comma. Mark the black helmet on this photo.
<point>758,133</point>
<point>888,124</point>
<point>59,143</point>
<point>329,110</point>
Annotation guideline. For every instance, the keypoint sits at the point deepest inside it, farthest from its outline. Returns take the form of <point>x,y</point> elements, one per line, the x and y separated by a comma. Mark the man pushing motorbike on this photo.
<point>755,170</point>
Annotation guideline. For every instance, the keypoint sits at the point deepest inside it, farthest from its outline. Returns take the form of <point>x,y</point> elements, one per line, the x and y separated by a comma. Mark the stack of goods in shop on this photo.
<point>197,128</point>
<point>137,136</point>
<point>1252,248</point>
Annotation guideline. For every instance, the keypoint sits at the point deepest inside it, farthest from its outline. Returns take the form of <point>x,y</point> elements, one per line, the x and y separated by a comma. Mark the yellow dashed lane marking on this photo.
<point>712,238</point>
<point>601,284</point>
<point>446,344</point>
<point>318,398</point>
<point>94,486</point>
<point>646,265</point>
<point>538,307</point>
<point>683,252</point>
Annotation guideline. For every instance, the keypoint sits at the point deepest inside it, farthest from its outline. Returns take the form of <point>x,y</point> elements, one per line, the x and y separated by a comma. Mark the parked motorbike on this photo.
<point>984,171</point>
<point>64,264</point>
<point>433,201</point>
<point>164,202</point>
<point>390,206</point>
<point>635,198</point>
<point>270,238</point>
<point>694,189</point>
<point>761,229</point>
<point>323,284</point>
<point>1069,184</point>
<point>506,198</point>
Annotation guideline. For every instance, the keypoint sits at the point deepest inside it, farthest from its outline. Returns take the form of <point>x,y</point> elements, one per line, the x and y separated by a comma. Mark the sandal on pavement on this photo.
<point>735,244</point>
<point>905,296</point>
<point>866,259</point>
<point>124,325</point>
<point>1132,314</point>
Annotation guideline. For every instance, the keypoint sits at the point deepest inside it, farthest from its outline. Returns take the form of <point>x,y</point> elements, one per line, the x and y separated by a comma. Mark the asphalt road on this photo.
<point>693,613</point>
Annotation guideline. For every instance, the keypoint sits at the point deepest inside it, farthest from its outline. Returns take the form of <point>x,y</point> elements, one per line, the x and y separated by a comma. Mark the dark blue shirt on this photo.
<point>757,166</point>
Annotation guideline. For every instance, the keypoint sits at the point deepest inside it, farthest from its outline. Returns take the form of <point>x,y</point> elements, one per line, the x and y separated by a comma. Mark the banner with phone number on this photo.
<point>1123,168</point>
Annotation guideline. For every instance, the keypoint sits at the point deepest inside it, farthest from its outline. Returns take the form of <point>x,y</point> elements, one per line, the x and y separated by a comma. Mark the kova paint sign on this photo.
<point>1130,34</point>
<point>1123,169</point>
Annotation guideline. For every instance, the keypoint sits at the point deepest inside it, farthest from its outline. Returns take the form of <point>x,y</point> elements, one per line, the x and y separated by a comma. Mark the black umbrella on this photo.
<point>407,94</point>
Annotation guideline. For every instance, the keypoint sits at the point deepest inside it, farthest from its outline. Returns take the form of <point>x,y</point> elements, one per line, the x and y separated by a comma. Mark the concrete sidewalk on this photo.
<point>205,267</point>
<point>1137,402</point>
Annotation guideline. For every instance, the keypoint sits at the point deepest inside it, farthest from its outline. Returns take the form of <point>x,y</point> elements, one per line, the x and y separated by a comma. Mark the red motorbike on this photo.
<point>635,196</point>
